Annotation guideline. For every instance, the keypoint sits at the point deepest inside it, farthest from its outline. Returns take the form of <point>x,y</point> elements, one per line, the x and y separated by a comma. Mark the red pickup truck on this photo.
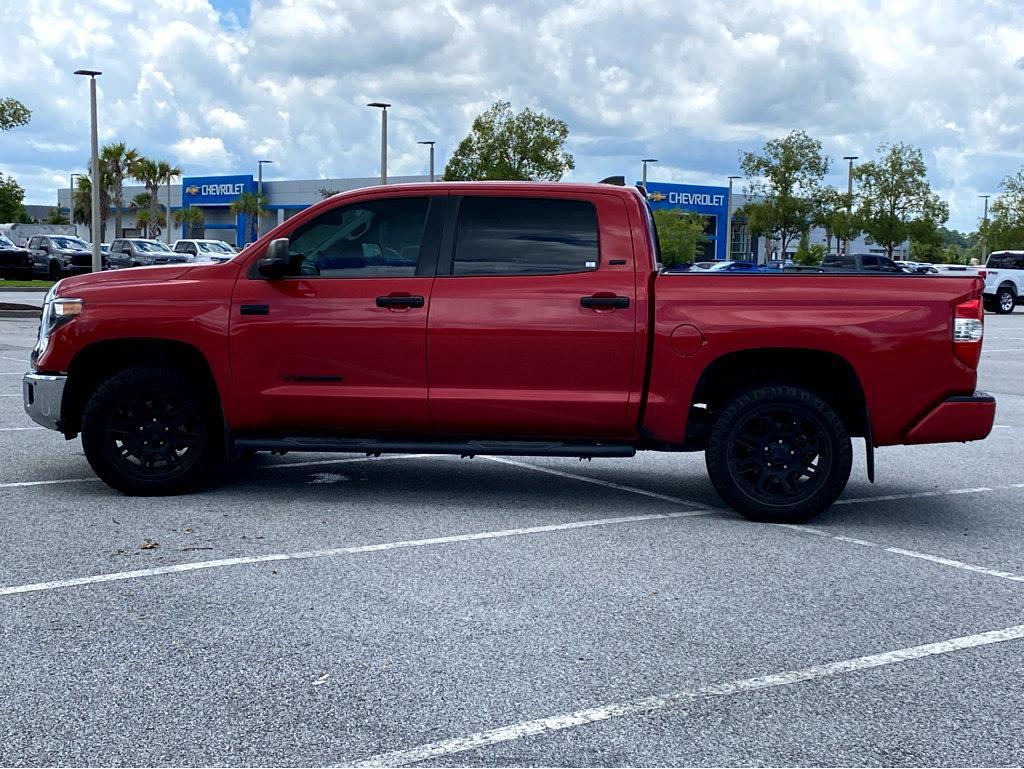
<point>505,319</point>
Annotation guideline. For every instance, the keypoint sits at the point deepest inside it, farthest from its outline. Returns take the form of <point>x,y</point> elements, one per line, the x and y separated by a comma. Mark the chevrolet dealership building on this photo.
<point>213,195</point>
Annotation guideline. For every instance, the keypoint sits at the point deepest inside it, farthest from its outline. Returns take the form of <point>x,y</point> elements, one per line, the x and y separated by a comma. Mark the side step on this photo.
<point>464,448</point>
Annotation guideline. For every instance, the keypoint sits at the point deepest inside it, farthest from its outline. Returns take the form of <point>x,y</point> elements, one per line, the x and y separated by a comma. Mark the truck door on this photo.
<point>340,342</point>
<point>533,318</point>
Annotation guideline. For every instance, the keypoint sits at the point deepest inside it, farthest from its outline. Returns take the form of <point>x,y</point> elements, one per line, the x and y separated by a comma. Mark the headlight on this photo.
<point>56,312</point>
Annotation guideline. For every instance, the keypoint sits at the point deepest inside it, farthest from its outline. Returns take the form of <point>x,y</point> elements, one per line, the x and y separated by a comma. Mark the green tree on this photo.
<point>326,193</point>
<point>191,217</point>
<point>153,174</point>
<point>527,146</point>
<point>252,206</point>
<point>117,159</point>
<point>11,198</point>
<point>56,216</point>
<point>13,113</point>
<point>895,199</point>
<point>1005,227</point>
<point>81,203</point>
<point>679,232</point>
<point>834,214</point>
<point>786,177</point>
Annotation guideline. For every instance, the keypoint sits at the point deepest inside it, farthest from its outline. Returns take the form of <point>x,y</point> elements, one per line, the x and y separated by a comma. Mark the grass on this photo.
<point>25,284</point>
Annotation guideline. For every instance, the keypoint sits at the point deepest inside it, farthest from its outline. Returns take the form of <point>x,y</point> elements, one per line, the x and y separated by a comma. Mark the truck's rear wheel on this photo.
<point>149,431</point>
<point>779,454</point>
<point>1005,300</point>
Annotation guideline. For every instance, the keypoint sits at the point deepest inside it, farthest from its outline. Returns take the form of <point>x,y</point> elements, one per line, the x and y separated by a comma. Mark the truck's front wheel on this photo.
<point>149,431</point>
<point>779,454</point>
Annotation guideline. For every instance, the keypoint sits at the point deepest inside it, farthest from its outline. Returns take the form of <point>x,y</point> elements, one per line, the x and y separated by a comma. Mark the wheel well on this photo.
<point>825,374</point>
<point>98,361</point>
<point>1009,285</point>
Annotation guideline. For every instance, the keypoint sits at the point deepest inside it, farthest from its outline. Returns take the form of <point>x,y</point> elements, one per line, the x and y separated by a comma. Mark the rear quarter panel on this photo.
<point>894,331</point>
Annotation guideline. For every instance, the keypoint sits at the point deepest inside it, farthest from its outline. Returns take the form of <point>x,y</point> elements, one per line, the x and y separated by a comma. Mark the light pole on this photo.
<point>645,161</point>
<point>728,220</point>
<point>97,236</point>
<point>167,224</point>
<point>383,107</point>
<point>984,237</point>
<point>849,199</point>
<point>431,158</point>
<point>259,188</point>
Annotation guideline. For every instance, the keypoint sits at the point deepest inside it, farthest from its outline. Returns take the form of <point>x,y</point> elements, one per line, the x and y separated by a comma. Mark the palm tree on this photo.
<point>117,159</point>
<point>192,217</point>
<point>105,187</point>
<point>81,203</point>
<point>153,173</point>
<point>250,204</point>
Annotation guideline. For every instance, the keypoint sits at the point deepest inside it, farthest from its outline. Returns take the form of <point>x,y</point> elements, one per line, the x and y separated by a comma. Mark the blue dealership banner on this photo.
<point>215,190</point>
<point>711,202</point>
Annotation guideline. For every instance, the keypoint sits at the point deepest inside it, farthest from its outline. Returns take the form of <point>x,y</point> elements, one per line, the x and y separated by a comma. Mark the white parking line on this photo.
<point>16,360</point>
<point>333,552</point>
<point>10,395</point>
<point>20,484</point>
<point>1008,349</point>
<point>18,429</point>
<point>349,459</point>
<point>654,704</point>
<point>598,481</point>
<point>909,553</point>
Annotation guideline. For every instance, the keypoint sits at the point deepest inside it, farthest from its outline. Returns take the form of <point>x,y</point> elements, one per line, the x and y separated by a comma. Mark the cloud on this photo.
<point>214,88</point>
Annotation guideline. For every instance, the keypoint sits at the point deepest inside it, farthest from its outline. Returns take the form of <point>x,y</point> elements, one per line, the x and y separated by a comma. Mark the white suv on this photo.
<point>205,250</point>
<point>1004,281</point>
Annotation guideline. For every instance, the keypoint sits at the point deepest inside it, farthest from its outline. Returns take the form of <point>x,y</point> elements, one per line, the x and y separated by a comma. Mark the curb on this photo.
<point>22,289</point>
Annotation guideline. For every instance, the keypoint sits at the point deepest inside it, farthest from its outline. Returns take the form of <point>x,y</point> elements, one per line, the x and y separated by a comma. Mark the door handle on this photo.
<point>393,301</point>
<point>598,302</point>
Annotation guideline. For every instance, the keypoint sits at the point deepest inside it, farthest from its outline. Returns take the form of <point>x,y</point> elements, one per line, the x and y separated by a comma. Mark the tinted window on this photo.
<point>520,236</point>
<point>869,262</point>
<point>888,265</point>
<point>375,239</point>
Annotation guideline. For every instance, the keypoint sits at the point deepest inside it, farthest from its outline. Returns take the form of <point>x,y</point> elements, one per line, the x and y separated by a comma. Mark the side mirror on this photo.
<point>275,262</point>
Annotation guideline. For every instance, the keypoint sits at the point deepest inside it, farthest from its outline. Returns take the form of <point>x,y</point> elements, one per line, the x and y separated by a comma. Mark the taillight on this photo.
<point>968,330</point>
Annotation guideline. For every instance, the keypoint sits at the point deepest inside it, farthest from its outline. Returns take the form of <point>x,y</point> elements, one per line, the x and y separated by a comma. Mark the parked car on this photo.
<point>58,255</point>
<point>703,265</point>
<point>505,319</point>
<point>15,262</point>
<point>920,268</point>
<point>776,265</point>
<point>142,252</point>
<point>733,266</point>
<point>1004,280</point>
<point>861,263</point>
<point>205,250</point>
<point>20,232</point>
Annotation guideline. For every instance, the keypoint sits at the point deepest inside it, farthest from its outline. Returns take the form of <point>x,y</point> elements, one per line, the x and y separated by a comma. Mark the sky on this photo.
<point>215,86</point>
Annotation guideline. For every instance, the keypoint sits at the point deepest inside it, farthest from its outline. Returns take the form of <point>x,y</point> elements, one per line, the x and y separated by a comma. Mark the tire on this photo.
<point>53,272</point>
<point>988,302</point>
<point>768,426</point>
<point>1005,300</point>
<point>179,431</point>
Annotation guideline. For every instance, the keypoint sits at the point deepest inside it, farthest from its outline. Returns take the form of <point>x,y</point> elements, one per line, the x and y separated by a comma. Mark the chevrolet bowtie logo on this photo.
<point>192,190</point>
<point>657,197</point>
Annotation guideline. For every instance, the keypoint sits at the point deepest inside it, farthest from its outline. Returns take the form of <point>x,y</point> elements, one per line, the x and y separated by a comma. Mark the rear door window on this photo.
<point>525,236</point>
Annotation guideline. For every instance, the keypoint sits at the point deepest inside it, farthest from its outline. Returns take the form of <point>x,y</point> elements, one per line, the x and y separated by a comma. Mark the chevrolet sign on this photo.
<point>215,190</point>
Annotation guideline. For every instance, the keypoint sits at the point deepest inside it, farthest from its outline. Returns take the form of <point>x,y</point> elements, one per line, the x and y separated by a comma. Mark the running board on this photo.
<point>463,448</point>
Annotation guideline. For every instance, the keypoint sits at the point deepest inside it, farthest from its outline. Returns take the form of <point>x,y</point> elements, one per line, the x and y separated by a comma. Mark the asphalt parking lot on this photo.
<point>333,610</point>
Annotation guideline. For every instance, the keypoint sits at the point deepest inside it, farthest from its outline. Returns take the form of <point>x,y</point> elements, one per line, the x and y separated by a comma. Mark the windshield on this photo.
<point>5,243</point>
<point>70,244</point>
<point>215,248</point>
<point>721,266</point>
<point>149,246</point>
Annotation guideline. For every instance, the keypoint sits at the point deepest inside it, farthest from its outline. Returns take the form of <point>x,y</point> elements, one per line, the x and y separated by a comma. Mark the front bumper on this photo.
<point>44,397</point>
<point>958,419</point>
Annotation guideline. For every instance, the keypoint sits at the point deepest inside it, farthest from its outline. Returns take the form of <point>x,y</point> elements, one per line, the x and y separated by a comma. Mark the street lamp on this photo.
<point>431,158</point>
<point>645,161</point>
<point>383,107</point>
<point>849,198</point>
<point>728,221</point>
<point>984,237</point>
<point>167,224</point>
<point>97,236</point>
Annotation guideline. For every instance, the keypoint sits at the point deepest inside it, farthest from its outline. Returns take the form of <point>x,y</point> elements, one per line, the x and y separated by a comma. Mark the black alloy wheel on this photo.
<point>779,454</point>
<point>150,431</point>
